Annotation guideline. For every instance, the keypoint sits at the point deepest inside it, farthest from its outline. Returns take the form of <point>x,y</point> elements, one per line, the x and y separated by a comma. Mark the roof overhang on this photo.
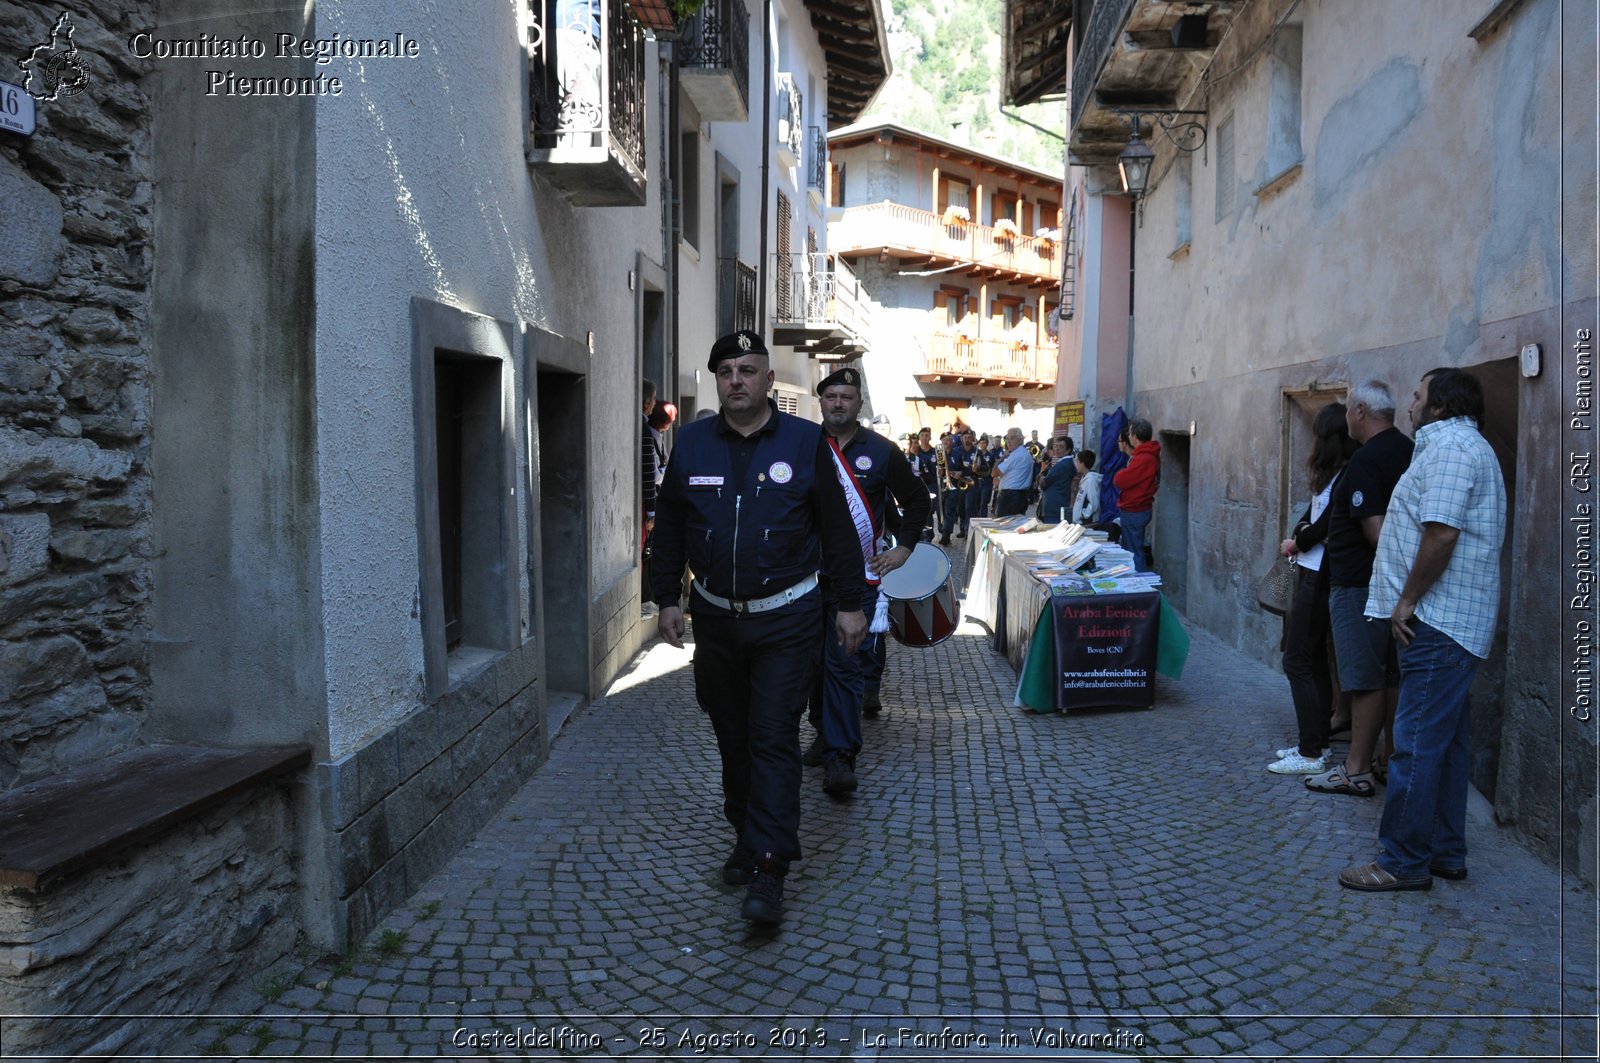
<point>1133,55</point>
<point>890,133</point>
<point>853,38</point>
<point>1033,50</point>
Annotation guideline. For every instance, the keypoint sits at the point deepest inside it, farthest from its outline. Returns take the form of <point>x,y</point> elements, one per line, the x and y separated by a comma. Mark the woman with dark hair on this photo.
<point>1306,660</point>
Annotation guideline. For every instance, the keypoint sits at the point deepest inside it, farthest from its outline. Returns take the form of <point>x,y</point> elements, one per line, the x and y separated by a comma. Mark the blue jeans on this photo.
<point>1425,813</point>
<point>1133,529</point>
<point>841,683</point>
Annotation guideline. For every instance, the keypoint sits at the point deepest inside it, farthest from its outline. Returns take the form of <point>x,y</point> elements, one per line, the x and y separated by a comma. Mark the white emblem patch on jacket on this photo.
<point>780,472</point>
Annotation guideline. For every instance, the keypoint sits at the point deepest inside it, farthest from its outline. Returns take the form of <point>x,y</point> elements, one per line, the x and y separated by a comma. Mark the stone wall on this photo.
<point>74,385</point>
<point>162,931</point>
<point>403,804</point>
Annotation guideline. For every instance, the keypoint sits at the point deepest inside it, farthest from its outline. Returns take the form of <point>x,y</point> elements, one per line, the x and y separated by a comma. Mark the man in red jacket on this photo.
<point>1136,487</point>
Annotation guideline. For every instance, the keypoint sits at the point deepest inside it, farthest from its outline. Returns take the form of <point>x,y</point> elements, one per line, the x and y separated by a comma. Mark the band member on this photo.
<point>874,474</point>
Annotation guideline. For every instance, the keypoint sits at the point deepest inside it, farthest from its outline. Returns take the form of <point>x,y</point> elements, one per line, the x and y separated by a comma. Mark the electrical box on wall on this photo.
<point>1530,360</point>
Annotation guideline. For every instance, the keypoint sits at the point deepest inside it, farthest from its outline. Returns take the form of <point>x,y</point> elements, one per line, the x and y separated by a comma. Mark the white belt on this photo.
<point>760,605</point>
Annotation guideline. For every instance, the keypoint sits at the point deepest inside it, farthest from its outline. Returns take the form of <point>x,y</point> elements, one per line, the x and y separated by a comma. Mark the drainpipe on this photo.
<point>671,231</point>
<point>766,156</point>
<point>1133,245</point>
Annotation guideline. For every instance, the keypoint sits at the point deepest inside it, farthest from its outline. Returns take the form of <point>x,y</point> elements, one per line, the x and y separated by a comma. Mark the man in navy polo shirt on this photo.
<point>752,505</point>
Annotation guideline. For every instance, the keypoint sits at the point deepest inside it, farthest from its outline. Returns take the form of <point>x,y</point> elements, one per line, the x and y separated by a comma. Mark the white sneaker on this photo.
<point>1295,764</point>
<point>1290,751</point>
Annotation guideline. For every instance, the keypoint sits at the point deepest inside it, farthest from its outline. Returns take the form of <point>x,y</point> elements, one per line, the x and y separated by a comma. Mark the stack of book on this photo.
<point>1073,559</point>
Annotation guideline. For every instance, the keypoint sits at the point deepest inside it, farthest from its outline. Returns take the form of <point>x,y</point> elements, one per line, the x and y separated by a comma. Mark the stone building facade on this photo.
<point>1381,190</point>
<point>961,252</point>
<point>75,475</point>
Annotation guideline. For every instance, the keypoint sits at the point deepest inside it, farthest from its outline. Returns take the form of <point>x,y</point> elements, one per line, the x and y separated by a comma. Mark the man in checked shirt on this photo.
<point>1436,579</point>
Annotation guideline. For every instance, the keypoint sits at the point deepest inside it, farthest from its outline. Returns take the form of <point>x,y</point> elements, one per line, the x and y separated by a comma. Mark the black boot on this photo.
<point>763,903</point>
<point>839,777</point>
<point>871,705</point>
<point>740,867</point>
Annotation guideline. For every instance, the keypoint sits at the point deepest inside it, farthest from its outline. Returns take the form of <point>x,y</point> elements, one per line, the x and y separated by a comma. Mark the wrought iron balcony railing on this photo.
<point>1100,37</point>
<point>714,60</point>
<point>1003,361</point>
<point>1033,260</point>
<point>586,90</point>
<point>736,296</point>
<point>820,289</point>
<point>817,165</point>
<point>791,118</point>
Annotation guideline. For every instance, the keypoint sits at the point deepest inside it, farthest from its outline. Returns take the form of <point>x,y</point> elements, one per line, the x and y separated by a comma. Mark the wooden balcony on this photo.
<point>920,239</point>
<point>952,358</point>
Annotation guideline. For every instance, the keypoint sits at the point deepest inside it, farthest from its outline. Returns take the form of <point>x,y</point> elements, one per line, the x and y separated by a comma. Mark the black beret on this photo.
<point>847,377</point>
<point>735,344</point>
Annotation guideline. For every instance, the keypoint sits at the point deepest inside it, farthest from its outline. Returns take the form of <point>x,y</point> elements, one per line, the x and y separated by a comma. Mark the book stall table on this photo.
<point>1078,639</point>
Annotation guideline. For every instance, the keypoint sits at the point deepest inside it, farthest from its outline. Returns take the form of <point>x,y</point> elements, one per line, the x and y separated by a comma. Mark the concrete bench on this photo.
<point>141,886</point>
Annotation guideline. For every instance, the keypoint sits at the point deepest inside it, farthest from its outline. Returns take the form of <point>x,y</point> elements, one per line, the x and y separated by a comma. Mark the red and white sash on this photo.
<point>866,529</point>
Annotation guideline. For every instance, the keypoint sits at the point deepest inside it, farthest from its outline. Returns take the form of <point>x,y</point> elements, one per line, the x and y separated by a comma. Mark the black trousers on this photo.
<point>1011,503</point>
<point>1305,659</point>
<point>955,513</point>
<point>752,676</point>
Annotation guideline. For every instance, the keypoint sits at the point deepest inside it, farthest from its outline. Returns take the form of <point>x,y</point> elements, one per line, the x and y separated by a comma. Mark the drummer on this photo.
<point>873,470</point>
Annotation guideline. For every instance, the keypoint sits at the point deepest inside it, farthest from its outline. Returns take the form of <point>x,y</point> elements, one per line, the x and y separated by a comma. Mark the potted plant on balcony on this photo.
<point>955,219</point>
<point>1005,231</point>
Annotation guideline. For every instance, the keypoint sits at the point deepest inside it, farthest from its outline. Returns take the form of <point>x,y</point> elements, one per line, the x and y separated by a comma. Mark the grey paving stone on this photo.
<point>994,862</point>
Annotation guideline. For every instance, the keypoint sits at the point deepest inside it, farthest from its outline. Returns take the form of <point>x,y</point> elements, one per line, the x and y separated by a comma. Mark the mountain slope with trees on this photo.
<point>946,82</point>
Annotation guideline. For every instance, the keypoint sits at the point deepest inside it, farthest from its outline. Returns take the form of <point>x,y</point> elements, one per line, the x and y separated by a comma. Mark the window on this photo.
<point>1049,214</point>
<point>1183,196</point>
<point>1008,309</point>
<point>783,289</point>
<point>1283,103</point>
<point>1003,205</point>
<point>689,189</point>
<point>955,192</point>
<point>464,471</point>
<point>467,400</point>
<point>836,185</point>
<point>950,308</point>
<point>1224,168</point>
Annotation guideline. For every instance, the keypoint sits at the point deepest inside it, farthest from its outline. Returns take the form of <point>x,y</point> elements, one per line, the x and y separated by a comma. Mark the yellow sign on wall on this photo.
<point>1067,415</point>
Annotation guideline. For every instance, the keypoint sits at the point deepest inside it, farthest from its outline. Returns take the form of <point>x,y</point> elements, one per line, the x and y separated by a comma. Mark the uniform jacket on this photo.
<point>887,477</point>
<point>751,533</point>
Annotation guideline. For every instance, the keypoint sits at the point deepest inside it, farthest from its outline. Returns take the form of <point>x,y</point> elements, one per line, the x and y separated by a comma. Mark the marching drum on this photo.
<point>923,610</point>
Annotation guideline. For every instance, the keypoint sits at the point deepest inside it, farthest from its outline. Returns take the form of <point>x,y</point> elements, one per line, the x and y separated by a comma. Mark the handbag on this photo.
<point>1276,586</point>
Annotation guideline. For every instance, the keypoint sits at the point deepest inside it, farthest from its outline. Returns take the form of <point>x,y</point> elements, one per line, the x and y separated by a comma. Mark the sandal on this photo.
<point>1372,878</point>
<point>1338,781</point>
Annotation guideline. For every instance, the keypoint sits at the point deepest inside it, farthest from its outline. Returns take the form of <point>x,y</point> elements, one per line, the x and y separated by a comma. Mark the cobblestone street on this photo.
<point>1004,884</point>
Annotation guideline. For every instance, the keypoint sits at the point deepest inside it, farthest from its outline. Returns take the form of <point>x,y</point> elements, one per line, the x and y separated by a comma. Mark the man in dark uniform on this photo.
<point>957,478</point>
<point>871,469</point>
<point>752,504</point>
<point>927,466</point>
